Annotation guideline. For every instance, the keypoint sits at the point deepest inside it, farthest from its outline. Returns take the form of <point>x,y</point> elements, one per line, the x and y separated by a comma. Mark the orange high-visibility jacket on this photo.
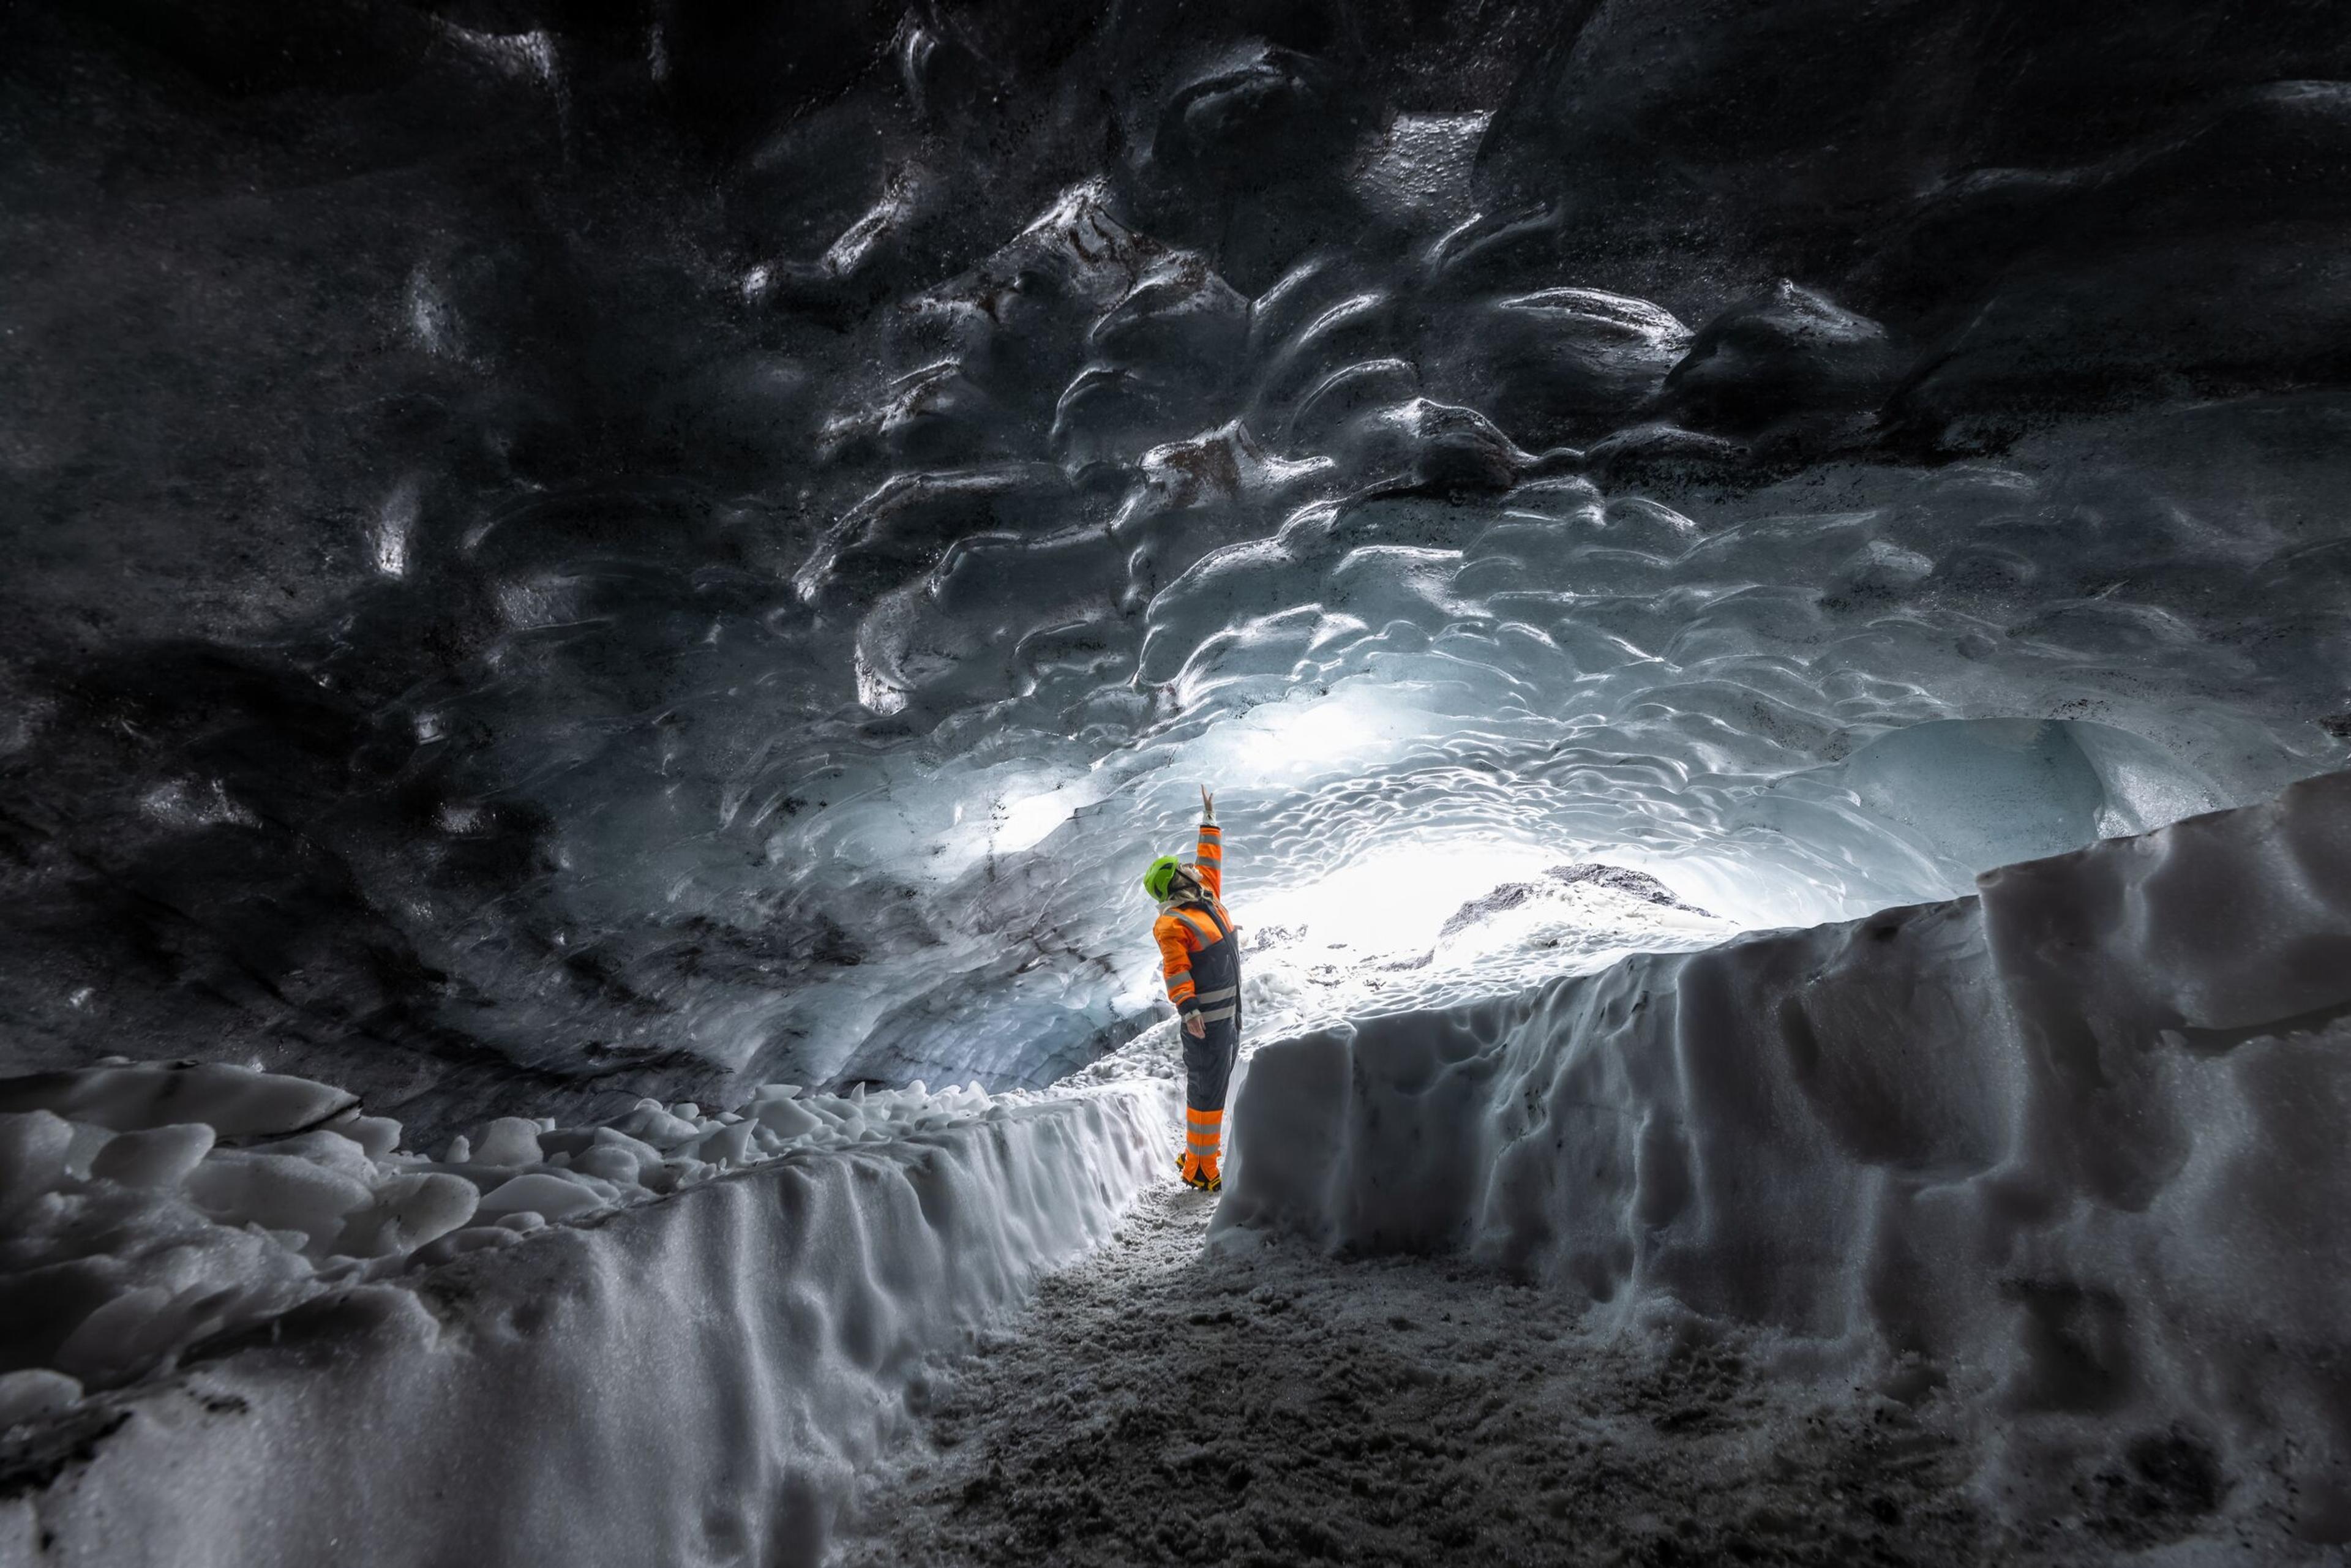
<point>1181,933</point>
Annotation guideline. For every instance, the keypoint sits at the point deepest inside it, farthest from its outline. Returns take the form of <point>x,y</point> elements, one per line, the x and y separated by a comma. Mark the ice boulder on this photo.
<point>777,1109</point>
<point>656,1124</point>
<point>35,1392</point>
<point>234,1102</point>
<point>34,1147</point>
<point>544,1193</point>
<point>1784,352</point>
<point>508,1141</point>
<point>408,1212</point>
<point>1561,364</point>
<point>278,1192</point>
<point>160,1157</point>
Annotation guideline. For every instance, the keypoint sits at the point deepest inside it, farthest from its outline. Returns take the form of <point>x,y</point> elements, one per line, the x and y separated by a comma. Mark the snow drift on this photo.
<point>711,1349</point>
<point>2070,1150</point>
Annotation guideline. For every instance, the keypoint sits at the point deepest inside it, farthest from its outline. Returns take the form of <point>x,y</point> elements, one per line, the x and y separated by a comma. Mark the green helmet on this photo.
<point>1161,878</point>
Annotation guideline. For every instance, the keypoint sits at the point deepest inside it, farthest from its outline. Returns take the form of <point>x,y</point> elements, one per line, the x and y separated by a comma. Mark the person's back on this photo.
<point>1200,959</point>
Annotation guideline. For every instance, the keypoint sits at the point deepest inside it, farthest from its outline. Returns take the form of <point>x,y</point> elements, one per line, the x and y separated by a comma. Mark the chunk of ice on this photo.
<point>158,1157</point>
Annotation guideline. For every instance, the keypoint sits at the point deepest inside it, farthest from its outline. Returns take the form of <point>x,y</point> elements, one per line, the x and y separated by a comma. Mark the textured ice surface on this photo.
<point>150,1208</point>
<point>702,1377</point>
<point>2066,1151</point>
<point>568,563</point>
<point>567,559</point>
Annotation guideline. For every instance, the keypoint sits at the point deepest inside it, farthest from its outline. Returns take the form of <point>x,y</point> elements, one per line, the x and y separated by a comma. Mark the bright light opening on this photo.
<point>1393,904</point>
<point>1433,923</point>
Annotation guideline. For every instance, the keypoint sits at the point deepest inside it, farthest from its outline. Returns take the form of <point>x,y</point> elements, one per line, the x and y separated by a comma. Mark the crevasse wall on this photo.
<point>713,1369</point>
<point>2071,1148</point>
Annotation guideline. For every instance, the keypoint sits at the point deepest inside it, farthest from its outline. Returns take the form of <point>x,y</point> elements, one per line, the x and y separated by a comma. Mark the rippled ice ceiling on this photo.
<point>651,545</point>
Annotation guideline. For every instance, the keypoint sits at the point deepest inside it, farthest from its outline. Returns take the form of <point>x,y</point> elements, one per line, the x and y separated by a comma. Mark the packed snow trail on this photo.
<point>1160,1404</point>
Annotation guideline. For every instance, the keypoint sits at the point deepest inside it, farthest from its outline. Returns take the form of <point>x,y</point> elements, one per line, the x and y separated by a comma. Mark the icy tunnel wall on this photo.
<point>717,1369</point>
<point>2070,1150</point>
<point>560,552</point>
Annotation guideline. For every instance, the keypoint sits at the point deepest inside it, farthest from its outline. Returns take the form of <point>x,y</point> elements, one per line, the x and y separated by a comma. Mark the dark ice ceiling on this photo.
<point>559,552</point>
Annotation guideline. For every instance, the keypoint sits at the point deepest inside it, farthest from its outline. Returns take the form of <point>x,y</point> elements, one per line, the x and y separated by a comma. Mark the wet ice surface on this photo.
<point>1164,1404</point>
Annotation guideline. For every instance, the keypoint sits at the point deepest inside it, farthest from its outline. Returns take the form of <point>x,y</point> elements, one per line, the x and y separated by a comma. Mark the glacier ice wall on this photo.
<point>2067,1150</point>
<point>569,553</point>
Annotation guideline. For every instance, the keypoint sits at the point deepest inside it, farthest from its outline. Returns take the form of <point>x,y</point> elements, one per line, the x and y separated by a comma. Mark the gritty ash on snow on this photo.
<point>1410,1411</point>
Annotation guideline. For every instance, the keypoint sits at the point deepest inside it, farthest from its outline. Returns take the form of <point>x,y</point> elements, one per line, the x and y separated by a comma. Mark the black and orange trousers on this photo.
<point>1208,1075</point>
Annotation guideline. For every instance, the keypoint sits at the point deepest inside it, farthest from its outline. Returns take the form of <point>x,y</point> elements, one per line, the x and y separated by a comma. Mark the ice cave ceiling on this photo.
<point>562,551</point>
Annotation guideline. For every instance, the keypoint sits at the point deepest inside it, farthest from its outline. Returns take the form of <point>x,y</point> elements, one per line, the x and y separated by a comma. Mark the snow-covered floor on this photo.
<point>1164,1403</point>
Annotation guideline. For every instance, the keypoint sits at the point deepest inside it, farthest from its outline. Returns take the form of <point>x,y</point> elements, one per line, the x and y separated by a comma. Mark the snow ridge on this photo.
<point>715,1368</point>
<point>2068,1152</point>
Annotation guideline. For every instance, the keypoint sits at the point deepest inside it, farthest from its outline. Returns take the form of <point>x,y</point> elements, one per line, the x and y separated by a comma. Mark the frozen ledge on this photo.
<point>2071,1152</point>
<point>699,1379</point>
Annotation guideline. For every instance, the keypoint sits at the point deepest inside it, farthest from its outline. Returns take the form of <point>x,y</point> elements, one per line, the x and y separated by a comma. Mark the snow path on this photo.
<point>1413,1411</point>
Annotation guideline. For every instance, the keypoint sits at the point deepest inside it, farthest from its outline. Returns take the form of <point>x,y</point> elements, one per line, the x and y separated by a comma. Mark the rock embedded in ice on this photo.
<point>1440,447</point>
<point>1620,879</point>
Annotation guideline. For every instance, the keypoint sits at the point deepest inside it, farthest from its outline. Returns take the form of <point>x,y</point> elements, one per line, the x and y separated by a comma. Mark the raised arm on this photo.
<point>1210,857</point>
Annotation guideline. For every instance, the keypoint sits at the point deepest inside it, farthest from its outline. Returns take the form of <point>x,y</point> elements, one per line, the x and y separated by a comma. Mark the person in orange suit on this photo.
<point>1200,958</point>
